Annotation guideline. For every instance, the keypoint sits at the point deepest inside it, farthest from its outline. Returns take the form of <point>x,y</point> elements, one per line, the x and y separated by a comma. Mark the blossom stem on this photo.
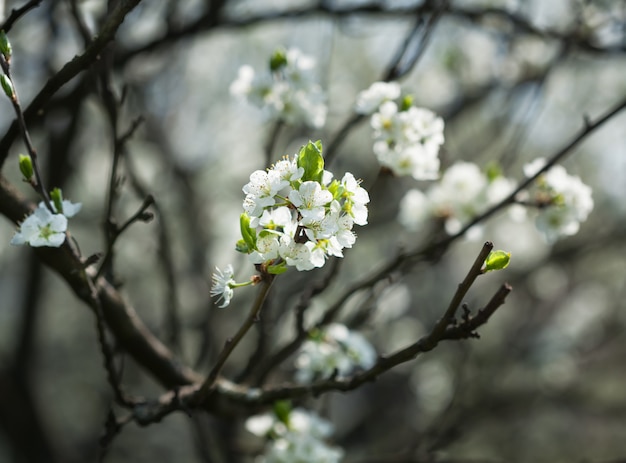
<point>231,343</point>
<point>39,186</point>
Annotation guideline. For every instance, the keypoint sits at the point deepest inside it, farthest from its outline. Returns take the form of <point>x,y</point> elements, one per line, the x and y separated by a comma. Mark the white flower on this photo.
<point>369,100</point>
<point>298,439</point>
<point>459,196</point>
<point>415,209</point>
<point>289,94</point>
<point>423,126</point>
<point>564,200</point>
<point>303,256</point>
<point>407,142</point>
<point>300,223</point>
<point>288,169</point>
<point>42,228</point>
<point>260,191</point>
<point>462,193</point>
<point>242,86</point>
<point>336,348</point>
<point>222,288</point>
<point>310,200</point>
<point>533,167</point>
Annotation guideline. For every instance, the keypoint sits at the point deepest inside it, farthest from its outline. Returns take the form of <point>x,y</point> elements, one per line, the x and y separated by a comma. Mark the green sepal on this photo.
<point>282,409</point>
<point>316,335</point>
<point>493,171</point>
<point>277,269</point>
<point>278,60</point>
<point>56,195</point>
<point>5,46</point>
<point>26,167</point>
<point>247,233</point>
<point>336,189</point>
<point>242,247</point>
<point>497,260</point>
<point>311,160</point>
<point>7,86</point>
<point>407,102</point>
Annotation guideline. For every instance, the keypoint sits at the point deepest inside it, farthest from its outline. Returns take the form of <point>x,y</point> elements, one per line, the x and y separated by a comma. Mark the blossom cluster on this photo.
<point>463,192</point>
<point>288,92</point>
<point>333,350</point>
<point>297,215</point>
<point>44,227</point>
<point>563,201</point>
<point>406,138</point>
<point>294,435</point>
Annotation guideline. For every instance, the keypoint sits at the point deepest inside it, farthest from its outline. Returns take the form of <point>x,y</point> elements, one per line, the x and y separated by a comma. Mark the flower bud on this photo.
<point>407,102</point>
<point>5,46</point>
<point>278,60</point>
<point>56,196</point>
<point>7,86</point>
<point>26,167</point>
<point>497,260</point>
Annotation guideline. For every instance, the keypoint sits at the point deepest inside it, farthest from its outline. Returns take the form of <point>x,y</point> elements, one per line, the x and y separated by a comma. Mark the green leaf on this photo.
<point>247,233</point>
<point>497,260</point>
<point>311,160</point>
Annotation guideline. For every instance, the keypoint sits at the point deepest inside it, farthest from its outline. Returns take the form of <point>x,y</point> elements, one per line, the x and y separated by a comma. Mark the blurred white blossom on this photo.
<point>297,436</point>
<point>333,349</point>
<point>369,100</point>
<point>288,91</point>
<point>462,193</point>
<point>563,200</point>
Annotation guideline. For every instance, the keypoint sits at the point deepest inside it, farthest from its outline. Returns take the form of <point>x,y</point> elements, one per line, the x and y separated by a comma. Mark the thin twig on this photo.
<point>232,343</point>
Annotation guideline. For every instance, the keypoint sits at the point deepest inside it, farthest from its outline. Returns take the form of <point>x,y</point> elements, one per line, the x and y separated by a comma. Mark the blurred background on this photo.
<point>512,79</point>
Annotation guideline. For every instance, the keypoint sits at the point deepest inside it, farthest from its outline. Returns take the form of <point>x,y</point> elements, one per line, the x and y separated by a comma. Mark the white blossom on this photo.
<point>301,223</point>
<point>407,141</point>
<point>299,438</point>
<point>334,349</point>
<point>369,100</point>
<point>41,228</point>
<point>462,193</point>
<point>222,285</point>
<point>289,94</point>
<point>70,209</point>
<point>564,200</point>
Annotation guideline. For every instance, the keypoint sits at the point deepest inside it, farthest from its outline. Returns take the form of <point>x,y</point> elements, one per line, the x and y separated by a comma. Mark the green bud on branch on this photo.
<point>5,46</point>
<point>278,60</point>
<point>26,167</point>
<point>7,86</point>
<point>496,260</point>
<point>407,102</point>
<point>56,196</point>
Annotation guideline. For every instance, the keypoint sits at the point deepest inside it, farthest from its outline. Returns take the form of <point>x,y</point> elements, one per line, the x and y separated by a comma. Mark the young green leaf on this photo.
<point>311,160</point>
<point>247,233</point>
